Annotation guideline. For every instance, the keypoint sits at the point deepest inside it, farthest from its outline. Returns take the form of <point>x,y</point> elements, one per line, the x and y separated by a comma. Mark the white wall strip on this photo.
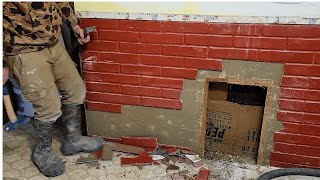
<point>201,18</point>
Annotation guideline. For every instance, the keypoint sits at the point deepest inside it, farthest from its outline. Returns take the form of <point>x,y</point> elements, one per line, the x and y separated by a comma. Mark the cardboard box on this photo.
<point>218,91</point>
<point>233,128</point>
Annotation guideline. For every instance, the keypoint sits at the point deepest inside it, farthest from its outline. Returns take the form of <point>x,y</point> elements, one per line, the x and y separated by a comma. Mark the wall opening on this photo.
<point>234,121</point>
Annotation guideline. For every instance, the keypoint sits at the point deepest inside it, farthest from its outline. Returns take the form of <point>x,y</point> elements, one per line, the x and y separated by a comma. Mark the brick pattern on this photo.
<point>144,63</point>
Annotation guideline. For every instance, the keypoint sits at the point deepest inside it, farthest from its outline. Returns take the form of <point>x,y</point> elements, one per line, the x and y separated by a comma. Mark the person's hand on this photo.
<point>5,72</point>
<point>79,32</point>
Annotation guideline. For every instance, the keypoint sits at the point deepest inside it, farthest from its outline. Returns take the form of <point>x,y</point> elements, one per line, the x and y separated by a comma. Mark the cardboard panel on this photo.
<point>233,128</point>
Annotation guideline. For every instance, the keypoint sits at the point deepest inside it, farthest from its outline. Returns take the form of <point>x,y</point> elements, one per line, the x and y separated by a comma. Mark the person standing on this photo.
<point>43,68</point>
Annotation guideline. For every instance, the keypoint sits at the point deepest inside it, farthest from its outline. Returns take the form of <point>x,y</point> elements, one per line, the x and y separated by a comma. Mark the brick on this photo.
<point>209,40</point>
<point>302,70</point>
<point>179,73</point>
<point>162,38</point>
<point>138,25</point>
<point>103,87</point>
<point>121,78</point>
<point>145,142</point>
<point>309,129</point>
<point>281,164</point>
<point>301,94</point>
<point>121,99</point>
<point>137,69</point>
<point>90,56</point>
<point>289,116</point>
<point>296,139</point>
<point>99,23</point>
<point>162,60</point>
<point>285,148</point>
<point>192,51</point>
<point>91,76</point>
<point>307,160</point>
<point>171,93</point>
<point>285,56</point>
<point>140,48</point>
<point>203,174</point>
<point>102,67</point>
<point>97,106</point>
<point>283,157</point>
<point>162,82</point>
<point>300,82</point>
<point>316,58</point>
<point>94,36</point>
<point>186,27</point>
<point>142,159</point>
<point>291,127</point>
<point>125,148</point>
<point>260,42</point>
<point>304,44</point>
<point>236,29</point>
<point>308,150</point>
<point>299,105</point>
<point>232,53</point>
<point>161,103</point>
<point>109,56</point>
<point>120,57</point>
<point>291,31</point>
<point>199,63</point>
<point>126,36</point>
<point>94,96</point>
<point>142,91</point>
<point>102,46</point>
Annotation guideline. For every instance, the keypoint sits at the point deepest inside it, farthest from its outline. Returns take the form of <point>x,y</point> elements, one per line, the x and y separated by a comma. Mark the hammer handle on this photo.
<point>10,112</point>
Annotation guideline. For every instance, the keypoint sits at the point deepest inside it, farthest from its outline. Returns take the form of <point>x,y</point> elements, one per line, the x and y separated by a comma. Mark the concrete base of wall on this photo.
<point>186,127</point>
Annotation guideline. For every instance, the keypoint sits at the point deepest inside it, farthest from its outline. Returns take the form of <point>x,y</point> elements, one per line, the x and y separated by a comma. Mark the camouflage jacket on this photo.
<point>30,26</point>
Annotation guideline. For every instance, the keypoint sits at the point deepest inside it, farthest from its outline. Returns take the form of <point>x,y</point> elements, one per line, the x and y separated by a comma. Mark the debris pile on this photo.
<point>145,151</point>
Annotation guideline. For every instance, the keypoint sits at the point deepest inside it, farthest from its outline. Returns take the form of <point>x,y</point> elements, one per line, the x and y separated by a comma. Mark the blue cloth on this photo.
<point>24,109</point>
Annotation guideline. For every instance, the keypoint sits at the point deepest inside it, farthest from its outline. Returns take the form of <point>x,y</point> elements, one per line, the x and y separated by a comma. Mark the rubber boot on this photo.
<point>73,142</point>
<point>42,156</point>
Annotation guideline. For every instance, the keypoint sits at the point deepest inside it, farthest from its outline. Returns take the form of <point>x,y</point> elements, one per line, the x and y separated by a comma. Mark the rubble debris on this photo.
<point>107,152</point>
<point>82,160</point>
<point>172,167</point>
<point>176,176</point>
<point>166,146</point>
<point>203,174</point>
<point>193,158</point>
<point>142,159</point>
<point>174,159</point>
<point>157,157</point>
<point>146,142</point>
<point>181,159</point>
<point>198,164</point>
<point>125,148</point>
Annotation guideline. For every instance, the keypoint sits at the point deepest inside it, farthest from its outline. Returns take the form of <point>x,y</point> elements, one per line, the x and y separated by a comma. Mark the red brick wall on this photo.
<point>144,63</point>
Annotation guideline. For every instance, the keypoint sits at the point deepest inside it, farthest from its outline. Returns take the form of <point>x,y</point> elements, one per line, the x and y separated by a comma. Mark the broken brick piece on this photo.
<point>166,146</point>
<point>155,163</point>
<point>203,174</point>
<point>111,139</point>
<point>183,151</point>
<point>142,159</point>
<point>146,142</point>
<point>172,150</point>
<point>150,149</point>
<point>126,148</point>
<point>98,153</point>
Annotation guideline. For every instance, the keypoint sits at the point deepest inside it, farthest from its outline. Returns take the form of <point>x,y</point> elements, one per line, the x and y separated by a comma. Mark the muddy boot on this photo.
<point>42,156</point>
<point>73,142</point>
